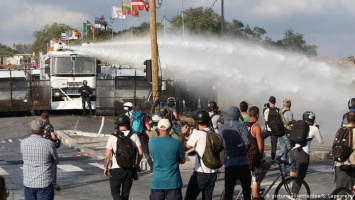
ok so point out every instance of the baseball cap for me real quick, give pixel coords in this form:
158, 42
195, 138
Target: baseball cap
163, 124
272, 99
37, 124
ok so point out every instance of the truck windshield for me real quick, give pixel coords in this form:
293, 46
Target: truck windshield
82, 66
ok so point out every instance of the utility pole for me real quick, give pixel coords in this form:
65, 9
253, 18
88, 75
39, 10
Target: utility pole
222, 13
154, 50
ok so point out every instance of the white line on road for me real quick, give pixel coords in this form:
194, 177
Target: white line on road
10, 140
3, 172
97, 165
70, 168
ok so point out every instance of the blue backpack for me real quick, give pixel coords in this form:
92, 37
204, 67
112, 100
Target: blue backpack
138, 122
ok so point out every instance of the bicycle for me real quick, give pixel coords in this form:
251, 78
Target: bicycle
342, 192
283, 189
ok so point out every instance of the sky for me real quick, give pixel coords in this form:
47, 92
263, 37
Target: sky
327, 24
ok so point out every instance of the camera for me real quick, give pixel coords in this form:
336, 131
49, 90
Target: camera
171, 103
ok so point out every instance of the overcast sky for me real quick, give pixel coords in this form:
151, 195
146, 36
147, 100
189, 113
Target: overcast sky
327, 24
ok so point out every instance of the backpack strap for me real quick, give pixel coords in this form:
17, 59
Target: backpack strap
251, 130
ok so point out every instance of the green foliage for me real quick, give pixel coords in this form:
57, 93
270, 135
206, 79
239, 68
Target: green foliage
6, 51
48, 32
23, 48
295, 42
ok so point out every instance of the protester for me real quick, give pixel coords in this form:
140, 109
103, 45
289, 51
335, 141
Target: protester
257, 164
140, 125
351, 106
215, 117
203, 178
236, 142
48, 133
287, 116
85, 93
128, 108
344, 170
38, 154
156, 117
167, 154
300, 153
273, 138
244, 117
120, 178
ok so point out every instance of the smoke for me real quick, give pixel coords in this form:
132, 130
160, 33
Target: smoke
237, 71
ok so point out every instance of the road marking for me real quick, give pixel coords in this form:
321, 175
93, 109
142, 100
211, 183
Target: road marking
10, 140
3, 172
97, 165
70, 168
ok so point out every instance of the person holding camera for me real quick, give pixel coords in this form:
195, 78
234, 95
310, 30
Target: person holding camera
167, 154
121, 178
48, 133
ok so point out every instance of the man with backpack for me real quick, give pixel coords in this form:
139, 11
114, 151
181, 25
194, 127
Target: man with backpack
122, 147
140, 124
287, 120
302, 134
344, 170
203, 178
167, 153
215, 117
236, 141
273, 135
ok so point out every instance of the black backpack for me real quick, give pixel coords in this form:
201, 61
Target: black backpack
299, 132
126, 151
274, 121
342, 144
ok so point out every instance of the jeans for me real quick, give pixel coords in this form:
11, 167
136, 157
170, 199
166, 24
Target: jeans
232, 173
54, 174
121, 178
46, 193
168, 194
201, 182
285, 145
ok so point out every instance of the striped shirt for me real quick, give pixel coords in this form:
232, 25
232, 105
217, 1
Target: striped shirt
38, 156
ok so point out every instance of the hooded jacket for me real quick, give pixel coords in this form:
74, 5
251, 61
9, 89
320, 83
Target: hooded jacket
235, 134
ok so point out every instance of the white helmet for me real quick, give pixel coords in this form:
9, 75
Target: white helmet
127, 105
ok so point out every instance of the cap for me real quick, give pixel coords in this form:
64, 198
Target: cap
163, 124
272, 99
37, 124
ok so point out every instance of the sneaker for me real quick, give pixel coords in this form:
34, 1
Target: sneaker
56, 187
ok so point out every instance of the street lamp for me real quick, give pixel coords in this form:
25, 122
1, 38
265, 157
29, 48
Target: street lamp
222, 13
112, 20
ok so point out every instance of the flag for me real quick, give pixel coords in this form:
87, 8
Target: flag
90, 27
85, 27
138, 5
126, 8
116, 12
135, 13
68, 33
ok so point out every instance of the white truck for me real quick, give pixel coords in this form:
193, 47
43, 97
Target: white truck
66, 70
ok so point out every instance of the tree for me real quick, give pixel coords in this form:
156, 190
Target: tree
198, 21
43, 36
6, 51
23, 48
294, 41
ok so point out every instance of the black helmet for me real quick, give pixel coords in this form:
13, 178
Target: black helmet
123, 120
212, 105
85, 82
309, 116
201, 117
351, 103
57, 143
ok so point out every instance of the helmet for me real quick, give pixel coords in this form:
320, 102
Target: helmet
351, 103
156, 117
309, 116
127, 105
123, 120
85, 82
212, 105
201, 117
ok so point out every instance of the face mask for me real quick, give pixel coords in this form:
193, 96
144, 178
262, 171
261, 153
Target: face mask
125, 108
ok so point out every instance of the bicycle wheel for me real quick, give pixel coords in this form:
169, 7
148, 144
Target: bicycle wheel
292, 188
341, 193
